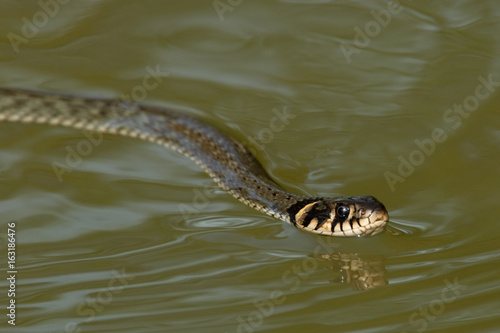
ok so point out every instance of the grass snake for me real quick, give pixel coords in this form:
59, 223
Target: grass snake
226, 160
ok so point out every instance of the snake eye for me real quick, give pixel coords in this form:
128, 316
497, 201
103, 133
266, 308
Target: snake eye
342, 211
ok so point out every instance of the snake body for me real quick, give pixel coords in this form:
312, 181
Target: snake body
226, 160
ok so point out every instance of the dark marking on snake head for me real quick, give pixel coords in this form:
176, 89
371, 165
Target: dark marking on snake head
307, 212
293, 210
322, 213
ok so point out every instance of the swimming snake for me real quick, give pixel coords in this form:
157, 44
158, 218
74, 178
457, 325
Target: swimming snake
226, 160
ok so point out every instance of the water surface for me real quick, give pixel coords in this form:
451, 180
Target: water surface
382, 100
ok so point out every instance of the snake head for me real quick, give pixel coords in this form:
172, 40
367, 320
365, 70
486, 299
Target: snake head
344, 217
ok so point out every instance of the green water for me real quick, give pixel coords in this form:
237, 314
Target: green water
400, 102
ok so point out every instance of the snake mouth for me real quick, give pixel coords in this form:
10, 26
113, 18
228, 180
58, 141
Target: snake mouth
372, 227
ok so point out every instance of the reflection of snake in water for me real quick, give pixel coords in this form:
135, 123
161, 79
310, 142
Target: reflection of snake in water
362, 271
222, 157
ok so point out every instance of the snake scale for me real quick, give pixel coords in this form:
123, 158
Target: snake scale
226, 160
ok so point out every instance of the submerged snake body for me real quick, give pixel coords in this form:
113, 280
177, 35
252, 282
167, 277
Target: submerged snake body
226, 160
